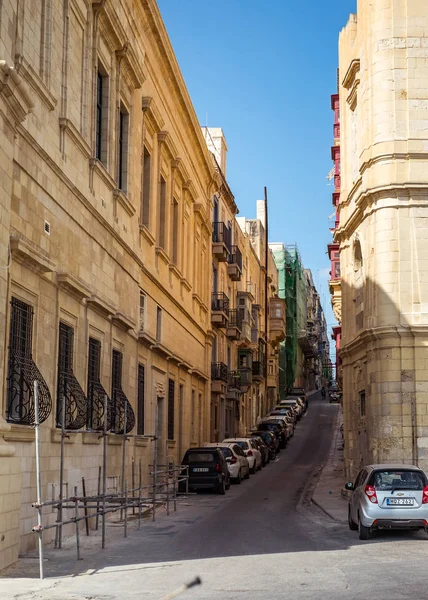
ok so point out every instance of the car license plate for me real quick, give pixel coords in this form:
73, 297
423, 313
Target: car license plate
399, 501
200, 469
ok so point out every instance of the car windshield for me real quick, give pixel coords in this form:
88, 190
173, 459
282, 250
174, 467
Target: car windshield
385, 481
195, 457
226, 452
243, 445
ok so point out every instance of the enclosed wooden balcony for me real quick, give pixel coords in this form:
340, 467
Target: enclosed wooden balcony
277, 321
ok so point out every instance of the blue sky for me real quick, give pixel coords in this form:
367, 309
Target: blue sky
264, 72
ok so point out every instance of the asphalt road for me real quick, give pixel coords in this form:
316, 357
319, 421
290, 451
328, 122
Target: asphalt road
262, 540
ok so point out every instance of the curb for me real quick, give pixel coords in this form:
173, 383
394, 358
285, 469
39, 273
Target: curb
341, 521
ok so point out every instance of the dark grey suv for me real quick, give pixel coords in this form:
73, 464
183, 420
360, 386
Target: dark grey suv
207, 470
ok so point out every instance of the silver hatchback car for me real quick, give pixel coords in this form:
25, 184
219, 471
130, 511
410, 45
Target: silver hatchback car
388, 497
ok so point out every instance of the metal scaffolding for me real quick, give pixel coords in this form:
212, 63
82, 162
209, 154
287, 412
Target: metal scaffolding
167, 480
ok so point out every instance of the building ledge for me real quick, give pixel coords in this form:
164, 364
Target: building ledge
123, 321
160, 252
19, 433
29, 255
146, 233
124, 201
73, 286
101, 305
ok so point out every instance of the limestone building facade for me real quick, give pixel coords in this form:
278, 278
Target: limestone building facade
383, 82
105, 233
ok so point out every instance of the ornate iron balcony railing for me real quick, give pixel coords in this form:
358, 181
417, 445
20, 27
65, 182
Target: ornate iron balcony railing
121, 407
20, 391
71, 395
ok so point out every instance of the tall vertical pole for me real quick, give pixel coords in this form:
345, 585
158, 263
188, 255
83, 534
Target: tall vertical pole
61, 473
38, 476
266, 291
103, 522
155, 458
123, 456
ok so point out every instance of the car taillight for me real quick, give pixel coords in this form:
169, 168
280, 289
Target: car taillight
233, 460
425, 495
371, 494
249, 453
218, 468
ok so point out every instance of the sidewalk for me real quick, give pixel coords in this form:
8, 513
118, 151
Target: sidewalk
328, 492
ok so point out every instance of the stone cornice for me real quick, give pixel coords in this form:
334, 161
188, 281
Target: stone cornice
391, 332
351, 73
175, 78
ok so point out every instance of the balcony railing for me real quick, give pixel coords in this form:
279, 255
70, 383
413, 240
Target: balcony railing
221, 234
234, 380
235, 257
219, 372
220, 302
235, 319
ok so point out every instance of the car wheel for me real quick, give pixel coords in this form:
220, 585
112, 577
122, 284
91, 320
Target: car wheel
228, 483
363, 531
239, 478
253, 470
352, 526
222, 488
247, 475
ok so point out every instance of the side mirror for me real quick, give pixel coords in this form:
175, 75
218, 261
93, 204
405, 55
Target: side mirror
349, 486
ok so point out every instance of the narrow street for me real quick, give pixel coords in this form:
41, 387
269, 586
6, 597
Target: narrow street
263, 539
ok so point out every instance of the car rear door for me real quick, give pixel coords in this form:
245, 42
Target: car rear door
202, 464
398, 489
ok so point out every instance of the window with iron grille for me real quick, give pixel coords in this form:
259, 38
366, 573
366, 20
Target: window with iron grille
123, 418
171, 407
140, 424
22, 370
69, 393
94, 364
116, 371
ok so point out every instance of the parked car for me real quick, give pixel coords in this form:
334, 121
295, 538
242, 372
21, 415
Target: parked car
269, 439
276, 429
388, 497
285, 421
296, 391
279, 423
301, 401
251, 450
237, 462
294, 405
334, 396
207, 469
287, 409
264, 450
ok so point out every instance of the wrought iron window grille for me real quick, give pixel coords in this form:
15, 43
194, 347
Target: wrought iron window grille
171, 408
141, 399
96, 392
69, 392
121, 408
22, 370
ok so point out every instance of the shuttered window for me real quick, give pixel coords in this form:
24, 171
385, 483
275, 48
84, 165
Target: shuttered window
140, 425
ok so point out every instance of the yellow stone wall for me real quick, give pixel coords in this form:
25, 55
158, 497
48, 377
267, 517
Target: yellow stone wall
101, 251
383, 58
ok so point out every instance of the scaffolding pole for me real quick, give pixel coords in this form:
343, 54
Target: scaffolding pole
38, 477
